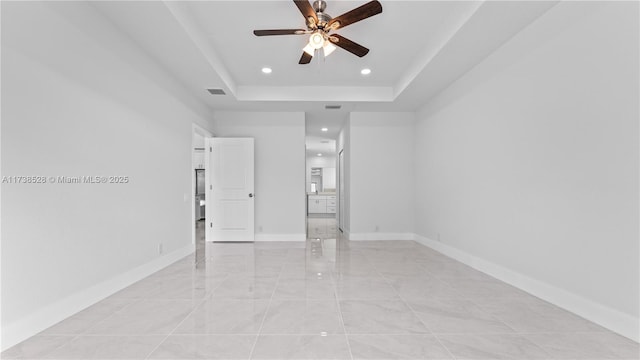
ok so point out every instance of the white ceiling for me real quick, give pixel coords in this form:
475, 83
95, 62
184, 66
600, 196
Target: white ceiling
417, 48
402, 31
320, 145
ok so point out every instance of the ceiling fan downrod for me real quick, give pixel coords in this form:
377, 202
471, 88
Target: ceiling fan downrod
323, 19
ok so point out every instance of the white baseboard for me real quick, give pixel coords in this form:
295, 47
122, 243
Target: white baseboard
381, 236
614, 320
280, 237
28, 326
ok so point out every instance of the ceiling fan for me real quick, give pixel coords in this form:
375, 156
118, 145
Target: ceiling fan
320, 25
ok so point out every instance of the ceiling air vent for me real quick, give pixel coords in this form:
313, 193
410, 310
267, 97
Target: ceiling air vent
333, 107
216, 91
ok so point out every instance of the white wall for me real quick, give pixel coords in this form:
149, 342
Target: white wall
381, 176
85, 101
279, 169
530, 161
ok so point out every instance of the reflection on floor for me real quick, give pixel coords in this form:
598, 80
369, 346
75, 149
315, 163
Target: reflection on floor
322, 228
200, 244
327, 299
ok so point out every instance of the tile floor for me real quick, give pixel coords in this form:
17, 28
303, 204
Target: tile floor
326, 299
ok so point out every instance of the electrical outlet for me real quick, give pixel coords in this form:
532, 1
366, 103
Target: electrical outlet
438, 237
160, 249
377, 228
260, 228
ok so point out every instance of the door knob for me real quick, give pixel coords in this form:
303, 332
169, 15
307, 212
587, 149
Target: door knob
250, 195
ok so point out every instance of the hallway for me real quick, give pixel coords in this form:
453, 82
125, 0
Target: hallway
326, 299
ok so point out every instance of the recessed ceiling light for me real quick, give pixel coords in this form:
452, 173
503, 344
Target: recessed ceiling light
365, 71
266, 70
324, 129
319, 154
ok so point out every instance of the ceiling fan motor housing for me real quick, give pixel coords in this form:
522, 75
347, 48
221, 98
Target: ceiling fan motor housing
323, 19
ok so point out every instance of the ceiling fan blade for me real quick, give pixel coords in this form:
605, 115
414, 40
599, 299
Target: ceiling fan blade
305, 58
349, 45
279, 32
307, 10
360, 13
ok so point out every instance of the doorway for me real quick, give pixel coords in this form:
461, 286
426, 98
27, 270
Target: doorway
321, 188
322, 130
198, 208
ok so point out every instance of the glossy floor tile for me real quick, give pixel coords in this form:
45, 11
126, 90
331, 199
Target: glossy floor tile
457, 316
107, 347
215, 316
328, 298
494, 346
205, 347
303, 317
36, 347
391, 316
281, 347
145, 317
397, 347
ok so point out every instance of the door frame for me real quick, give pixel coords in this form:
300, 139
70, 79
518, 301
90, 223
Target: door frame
200, 131
340, 187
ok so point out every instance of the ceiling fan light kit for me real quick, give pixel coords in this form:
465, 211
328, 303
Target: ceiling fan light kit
320, 24
328, 48
316, 40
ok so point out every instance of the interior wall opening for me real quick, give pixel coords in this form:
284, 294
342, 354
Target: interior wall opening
321, 180
198, 206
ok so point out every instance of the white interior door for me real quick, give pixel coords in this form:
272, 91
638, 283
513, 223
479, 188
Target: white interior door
230, 197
